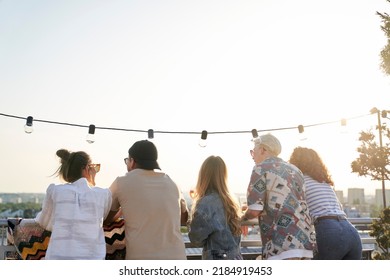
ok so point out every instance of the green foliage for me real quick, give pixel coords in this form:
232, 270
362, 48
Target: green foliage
385, 53
381, 232
372, 159
184, 229
374, 210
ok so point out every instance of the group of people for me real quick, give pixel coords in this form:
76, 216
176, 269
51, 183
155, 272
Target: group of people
298, 212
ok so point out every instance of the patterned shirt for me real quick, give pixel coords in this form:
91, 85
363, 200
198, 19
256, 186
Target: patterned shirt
277, 189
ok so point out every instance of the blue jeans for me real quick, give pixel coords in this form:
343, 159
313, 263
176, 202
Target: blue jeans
337, 240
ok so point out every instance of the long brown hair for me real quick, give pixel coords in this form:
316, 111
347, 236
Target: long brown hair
213, 175
311, 164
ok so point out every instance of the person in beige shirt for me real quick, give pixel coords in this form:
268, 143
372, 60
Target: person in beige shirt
151, 205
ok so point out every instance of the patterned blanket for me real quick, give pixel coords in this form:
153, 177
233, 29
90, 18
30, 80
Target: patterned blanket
31, 240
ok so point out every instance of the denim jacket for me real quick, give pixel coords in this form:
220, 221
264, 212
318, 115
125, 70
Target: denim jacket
210, 230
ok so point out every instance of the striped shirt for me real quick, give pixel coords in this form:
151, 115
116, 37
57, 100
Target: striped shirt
321, 199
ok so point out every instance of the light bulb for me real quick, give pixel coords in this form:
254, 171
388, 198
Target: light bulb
255, 135
150, 134
28, 127
302, 135
203, 139
343, 123
91, 134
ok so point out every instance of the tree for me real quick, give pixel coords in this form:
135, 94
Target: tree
385, 53
374, 210
381, 232
374, 159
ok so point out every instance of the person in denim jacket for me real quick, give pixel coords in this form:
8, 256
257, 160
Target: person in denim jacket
215, 224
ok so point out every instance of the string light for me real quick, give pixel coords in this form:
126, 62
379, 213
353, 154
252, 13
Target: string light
91, 134
301, 131
255, 135
151, 132
28, 127
203, 139
343, 123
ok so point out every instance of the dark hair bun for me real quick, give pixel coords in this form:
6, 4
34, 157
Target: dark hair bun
63, 154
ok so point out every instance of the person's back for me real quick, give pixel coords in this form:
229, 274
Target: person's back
285, 212
337, 238
276, 195
74, 212
78, 213
215, 224
150, 204
209, 229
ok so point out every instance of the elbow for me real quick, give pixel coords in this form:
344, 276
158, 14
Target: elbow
196, 240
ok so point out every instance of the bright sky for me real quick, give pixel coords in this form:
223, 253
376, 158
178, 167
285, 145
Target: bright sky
186, 66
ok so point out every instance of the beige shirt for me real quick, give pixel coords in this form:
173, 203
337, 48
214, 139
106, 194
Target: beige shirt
150, 203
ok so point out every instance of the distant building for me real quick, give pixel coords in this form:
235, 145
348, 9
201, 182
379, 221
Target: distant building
17, 199
11, 214
33, 199
379, 197
355, 196
340, 196
352, 212
10, 198
22, 197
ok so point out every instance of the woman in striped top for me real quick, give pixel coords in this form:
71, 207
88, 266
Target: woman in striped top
337, 238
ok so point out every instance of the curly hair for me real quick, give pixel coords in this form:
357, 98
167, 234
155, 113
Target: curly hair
311, 164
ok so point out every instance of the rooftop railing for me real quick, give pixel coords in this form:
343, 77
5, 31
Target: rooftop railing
251, 246
7, 251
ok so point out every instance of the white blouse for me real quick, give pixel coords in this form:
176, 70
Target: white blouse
74, 213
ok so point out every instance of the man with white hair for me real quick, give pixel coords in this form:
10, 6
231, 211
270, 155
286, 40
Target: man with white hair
276, 195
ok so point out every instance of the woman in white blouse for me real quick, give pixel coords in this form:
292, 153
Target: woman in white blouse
74, 212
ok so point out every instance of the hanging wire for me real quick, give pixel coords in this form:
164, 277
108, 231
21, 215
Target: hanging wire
179, 132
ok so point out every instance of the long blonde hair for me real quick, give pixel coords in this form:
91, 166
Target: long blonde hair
213, 175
